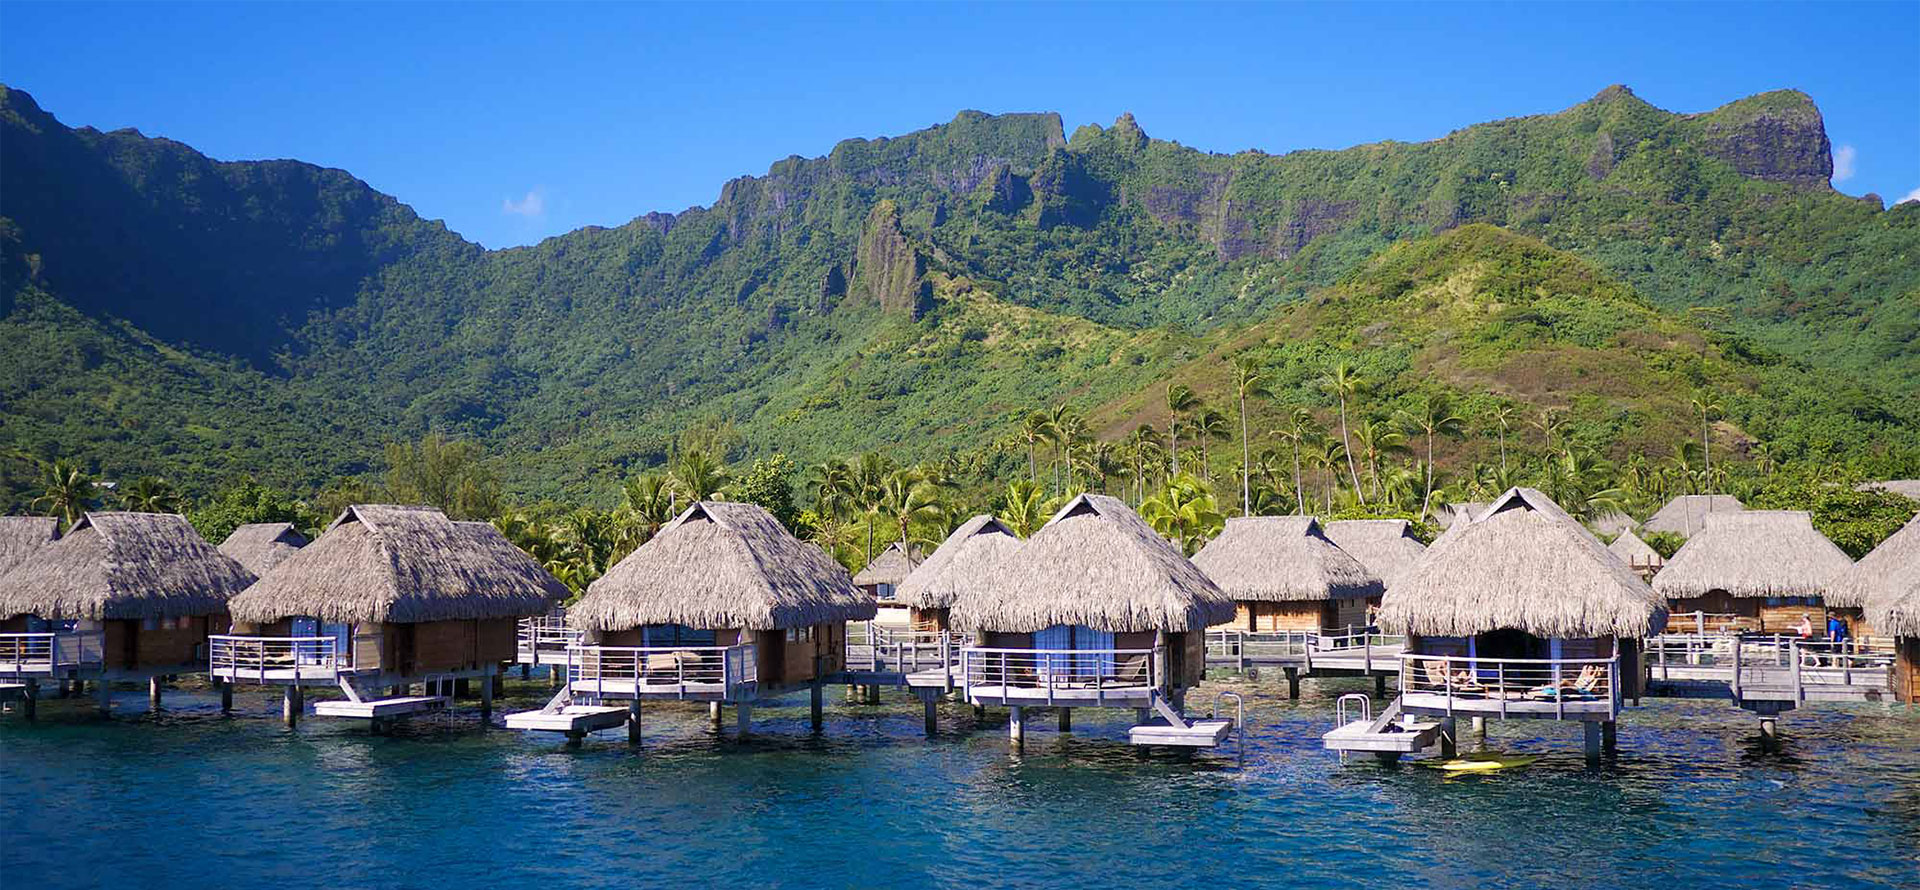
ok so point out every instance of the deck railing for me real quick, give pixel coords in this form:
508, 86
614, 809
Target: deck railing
1708, 623
882, 649
1503, 685
1051, 673
276, 661
46, 654
728, 671
546, 633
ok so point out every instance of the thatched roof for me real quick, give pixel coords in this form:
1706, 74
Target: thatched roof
1687, 514
1754, 553
960, 566
1904, 487
20, 536
1446, 517
381, 563
1386, 547
262, 545
1884, 578
1283, 559
892, 566
1612, 524
113, 566
1635, 552
1523, 563
722, 565
1097, 564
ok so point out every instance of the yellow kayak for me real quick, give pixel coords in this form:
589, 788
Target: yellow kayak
1485, 763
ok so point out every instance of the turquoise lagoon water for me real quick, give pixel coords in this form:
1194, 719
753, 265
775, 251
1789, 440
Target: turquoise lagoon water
188, 798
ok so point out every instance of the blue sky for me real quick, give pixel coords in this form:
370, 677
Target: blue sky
515, 122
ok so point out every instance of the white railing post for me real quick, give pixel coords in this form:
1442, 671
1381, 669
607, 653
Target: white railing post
1793, 653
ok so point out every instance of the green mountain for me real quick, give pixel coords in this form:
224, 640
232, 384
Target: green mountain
168, 313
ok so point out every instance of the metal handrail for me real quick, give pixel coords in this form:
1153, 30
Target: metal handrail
43, 653
677, 670
276, 660
1500, 680
1051, 671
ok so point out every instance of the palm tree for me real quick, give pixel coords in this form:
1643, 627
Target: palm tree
1035, 428
1376, 441
1298, 431
68, 491
1143, 447
1180, 400
909, 498
697, 475
151, 494
1025, 513
833, 486
1550, 419
1434, 417
1070, 433
1247, 381
1184, 511
869, 490
1328, 458
1206, 425
1766, 457
1345, 383
1503, 416
1704, 402
649, 505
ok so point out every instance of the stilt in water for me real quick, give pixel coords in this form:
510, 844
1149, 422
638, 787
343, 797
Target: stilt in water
526, 671
1610, 737
290, 706
1478, 727
1293, 683
103, 696
1380, 685
575, 737
1449, 738
486, 697
226, 696
1016, 730
931, 720
713, 714
30, 706
154, 685
1592, 729
1066, 719
743, 719
633, 721
817, 695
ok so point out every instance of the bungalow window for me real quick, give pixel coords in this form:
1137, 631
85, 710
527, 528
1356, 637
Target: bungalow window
675, 635
800, 634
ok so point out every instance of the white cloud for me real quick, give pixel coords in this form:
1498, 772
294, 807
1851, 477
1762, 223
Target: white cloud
1911, 196
531, 206
1843, 163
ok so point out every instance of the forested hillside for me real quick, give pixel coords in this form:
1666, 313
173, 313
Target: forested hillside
169, 314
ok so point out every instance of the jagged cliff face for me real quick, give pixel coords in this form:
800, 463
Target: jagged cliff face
890, 271
1779, 137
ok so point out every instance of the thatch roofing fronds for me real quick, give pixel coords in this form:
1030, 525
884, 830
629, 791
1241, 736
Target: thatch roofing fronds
1097, 564
381, 563
1446, 517
113, 566
722, 565
1522, 564
960, 567
20, 536
892, 566
1613, 524
1386, 547
1283, 559
1687, 514
1635, 552
1883, 579
1754, 553
262, 545
1909, 488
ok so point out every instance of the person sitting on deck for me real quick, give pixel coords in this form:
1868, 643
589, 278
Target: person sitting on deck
1586, 686
1459, 682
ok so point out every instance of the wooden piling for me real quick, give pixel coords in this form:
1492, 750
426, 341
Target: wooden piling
743, 719
1449, 738
1015, 730
633, 720
486, 696
1610, 737
816, 696
713, 714
1293, 683
153, 692
931, 719
1592, 729
290, 705
226, 696
103, 696
1066, 719
30, 707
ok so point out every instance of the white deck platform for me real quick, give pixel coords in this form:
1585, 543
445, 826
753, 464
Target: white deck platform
1063, 696
571, 719
1206, 733
1409, 737
381, 707
663, 691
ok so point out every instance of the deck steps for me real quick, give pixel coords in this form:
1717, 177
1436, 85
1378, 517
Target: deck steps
381, 707
1171, 728
1390, 733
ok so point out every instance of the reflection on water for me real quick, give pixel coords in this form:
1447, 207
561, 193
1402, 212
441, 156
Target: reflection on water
188, 797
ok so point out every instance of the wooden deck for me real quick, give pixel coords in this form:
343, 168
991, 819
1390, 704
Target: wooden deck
627, 689
380, 707
1395, 738
1441, 704
571, 719
1207, 733
1063, 696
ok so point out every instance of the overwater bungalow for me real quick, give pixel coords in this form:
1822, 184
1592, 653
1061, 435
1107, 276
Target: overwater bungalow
1753, 570
1386, 547
958, 567
723, 605
1891, 569
1283, 574
262, 545
1095, 610
1638, 554
1890, 578
1687, 514
1522, 614
882, 577
385, 598
120, 597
